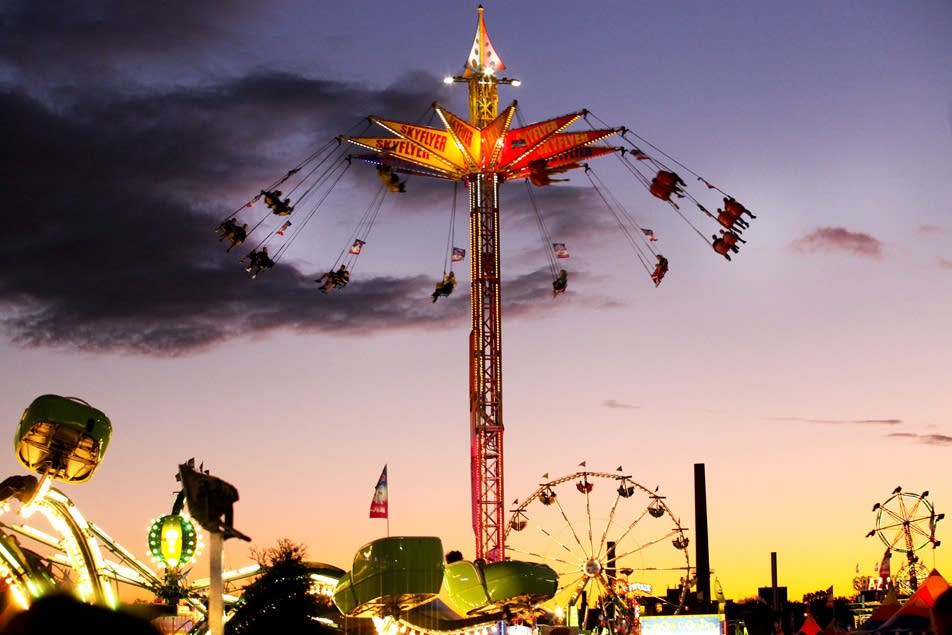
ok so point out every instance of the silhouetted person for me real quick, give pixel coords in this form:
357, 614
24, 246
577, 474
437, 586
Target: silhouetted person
445, 287
274, 202
721, 247
660, 269
560, 283
942, 613
735, 209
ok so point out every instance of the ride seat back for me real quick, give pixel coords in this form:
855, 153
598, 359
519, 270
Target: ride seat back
464, 587
397, 571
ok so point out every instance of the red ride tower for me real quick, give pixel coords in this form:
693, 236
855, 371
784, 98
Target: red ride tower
484, 152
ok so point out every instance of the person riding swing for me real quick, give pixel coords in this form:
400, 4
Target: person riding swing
229, 229
660, 269
445, 287
391, 179
260, 260
560, 283
720, 246
334, 279
735, 209
274, 202
666, 183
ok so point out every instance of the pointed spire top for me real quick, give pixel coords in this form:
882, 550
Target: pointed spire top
483, 59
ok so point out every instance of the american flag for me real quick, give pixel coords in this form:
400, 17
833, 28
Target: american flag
379, 507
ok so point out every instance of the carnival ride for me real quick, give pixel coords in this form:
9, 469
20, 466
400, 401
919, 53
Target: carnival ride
614, 543
481, 153
392, 576
64, 439
906, 524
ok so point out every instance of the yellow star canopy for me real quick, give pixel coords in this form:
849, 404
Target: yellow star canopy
461, 149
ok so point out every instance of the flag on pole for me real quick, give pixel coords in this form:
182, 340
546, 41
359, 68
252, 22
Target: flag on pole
582, 464
355, 248
458, 254
649, 234
284, 227
378, 506
560, 250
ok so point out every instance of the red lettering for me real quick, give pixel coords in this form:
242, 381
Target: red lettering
430, 138
464, 133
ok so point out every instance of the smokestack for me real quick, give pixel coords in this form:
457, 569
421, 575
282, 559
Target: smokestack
773, 581
702, 552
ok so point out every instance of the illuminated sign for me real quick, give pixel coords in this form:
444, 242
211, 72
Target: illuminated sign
682, 625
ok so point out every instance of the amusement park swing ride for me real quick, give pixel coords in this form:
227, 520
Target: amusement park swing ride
482, 152
591, 554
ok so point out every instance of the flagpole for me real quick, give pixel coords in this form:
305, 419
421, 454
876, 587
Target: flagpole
387, 467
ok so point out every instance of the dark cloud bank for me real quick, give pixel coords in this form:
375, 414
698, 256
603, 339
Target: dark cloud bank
112, 192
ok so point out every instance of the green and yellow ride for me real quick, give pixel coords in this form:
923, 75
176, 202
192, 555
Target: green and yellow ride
63, 438
395, 574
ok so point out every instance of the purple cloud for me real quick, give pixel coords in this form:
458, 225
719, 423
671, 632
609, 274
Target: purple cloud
611, 403
925, 439
875, 422
839, 239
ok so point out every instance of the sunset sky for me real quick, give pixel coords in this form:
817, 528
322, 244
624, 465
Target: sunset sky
810, 375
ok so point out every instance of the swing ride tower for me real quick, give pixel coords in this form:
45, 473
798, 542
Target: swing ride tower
485, 338
483, 152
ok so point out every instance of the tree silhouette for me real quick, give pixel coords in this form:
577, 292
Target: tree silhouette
281, 600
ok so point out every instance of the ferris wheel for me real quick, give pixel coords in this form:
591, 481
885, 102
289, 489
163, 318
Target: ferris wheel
615, 544
906, 523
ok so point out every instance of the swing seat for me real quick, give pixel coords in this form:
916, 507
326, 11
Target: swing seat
668, 179
661, 191
735, 209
